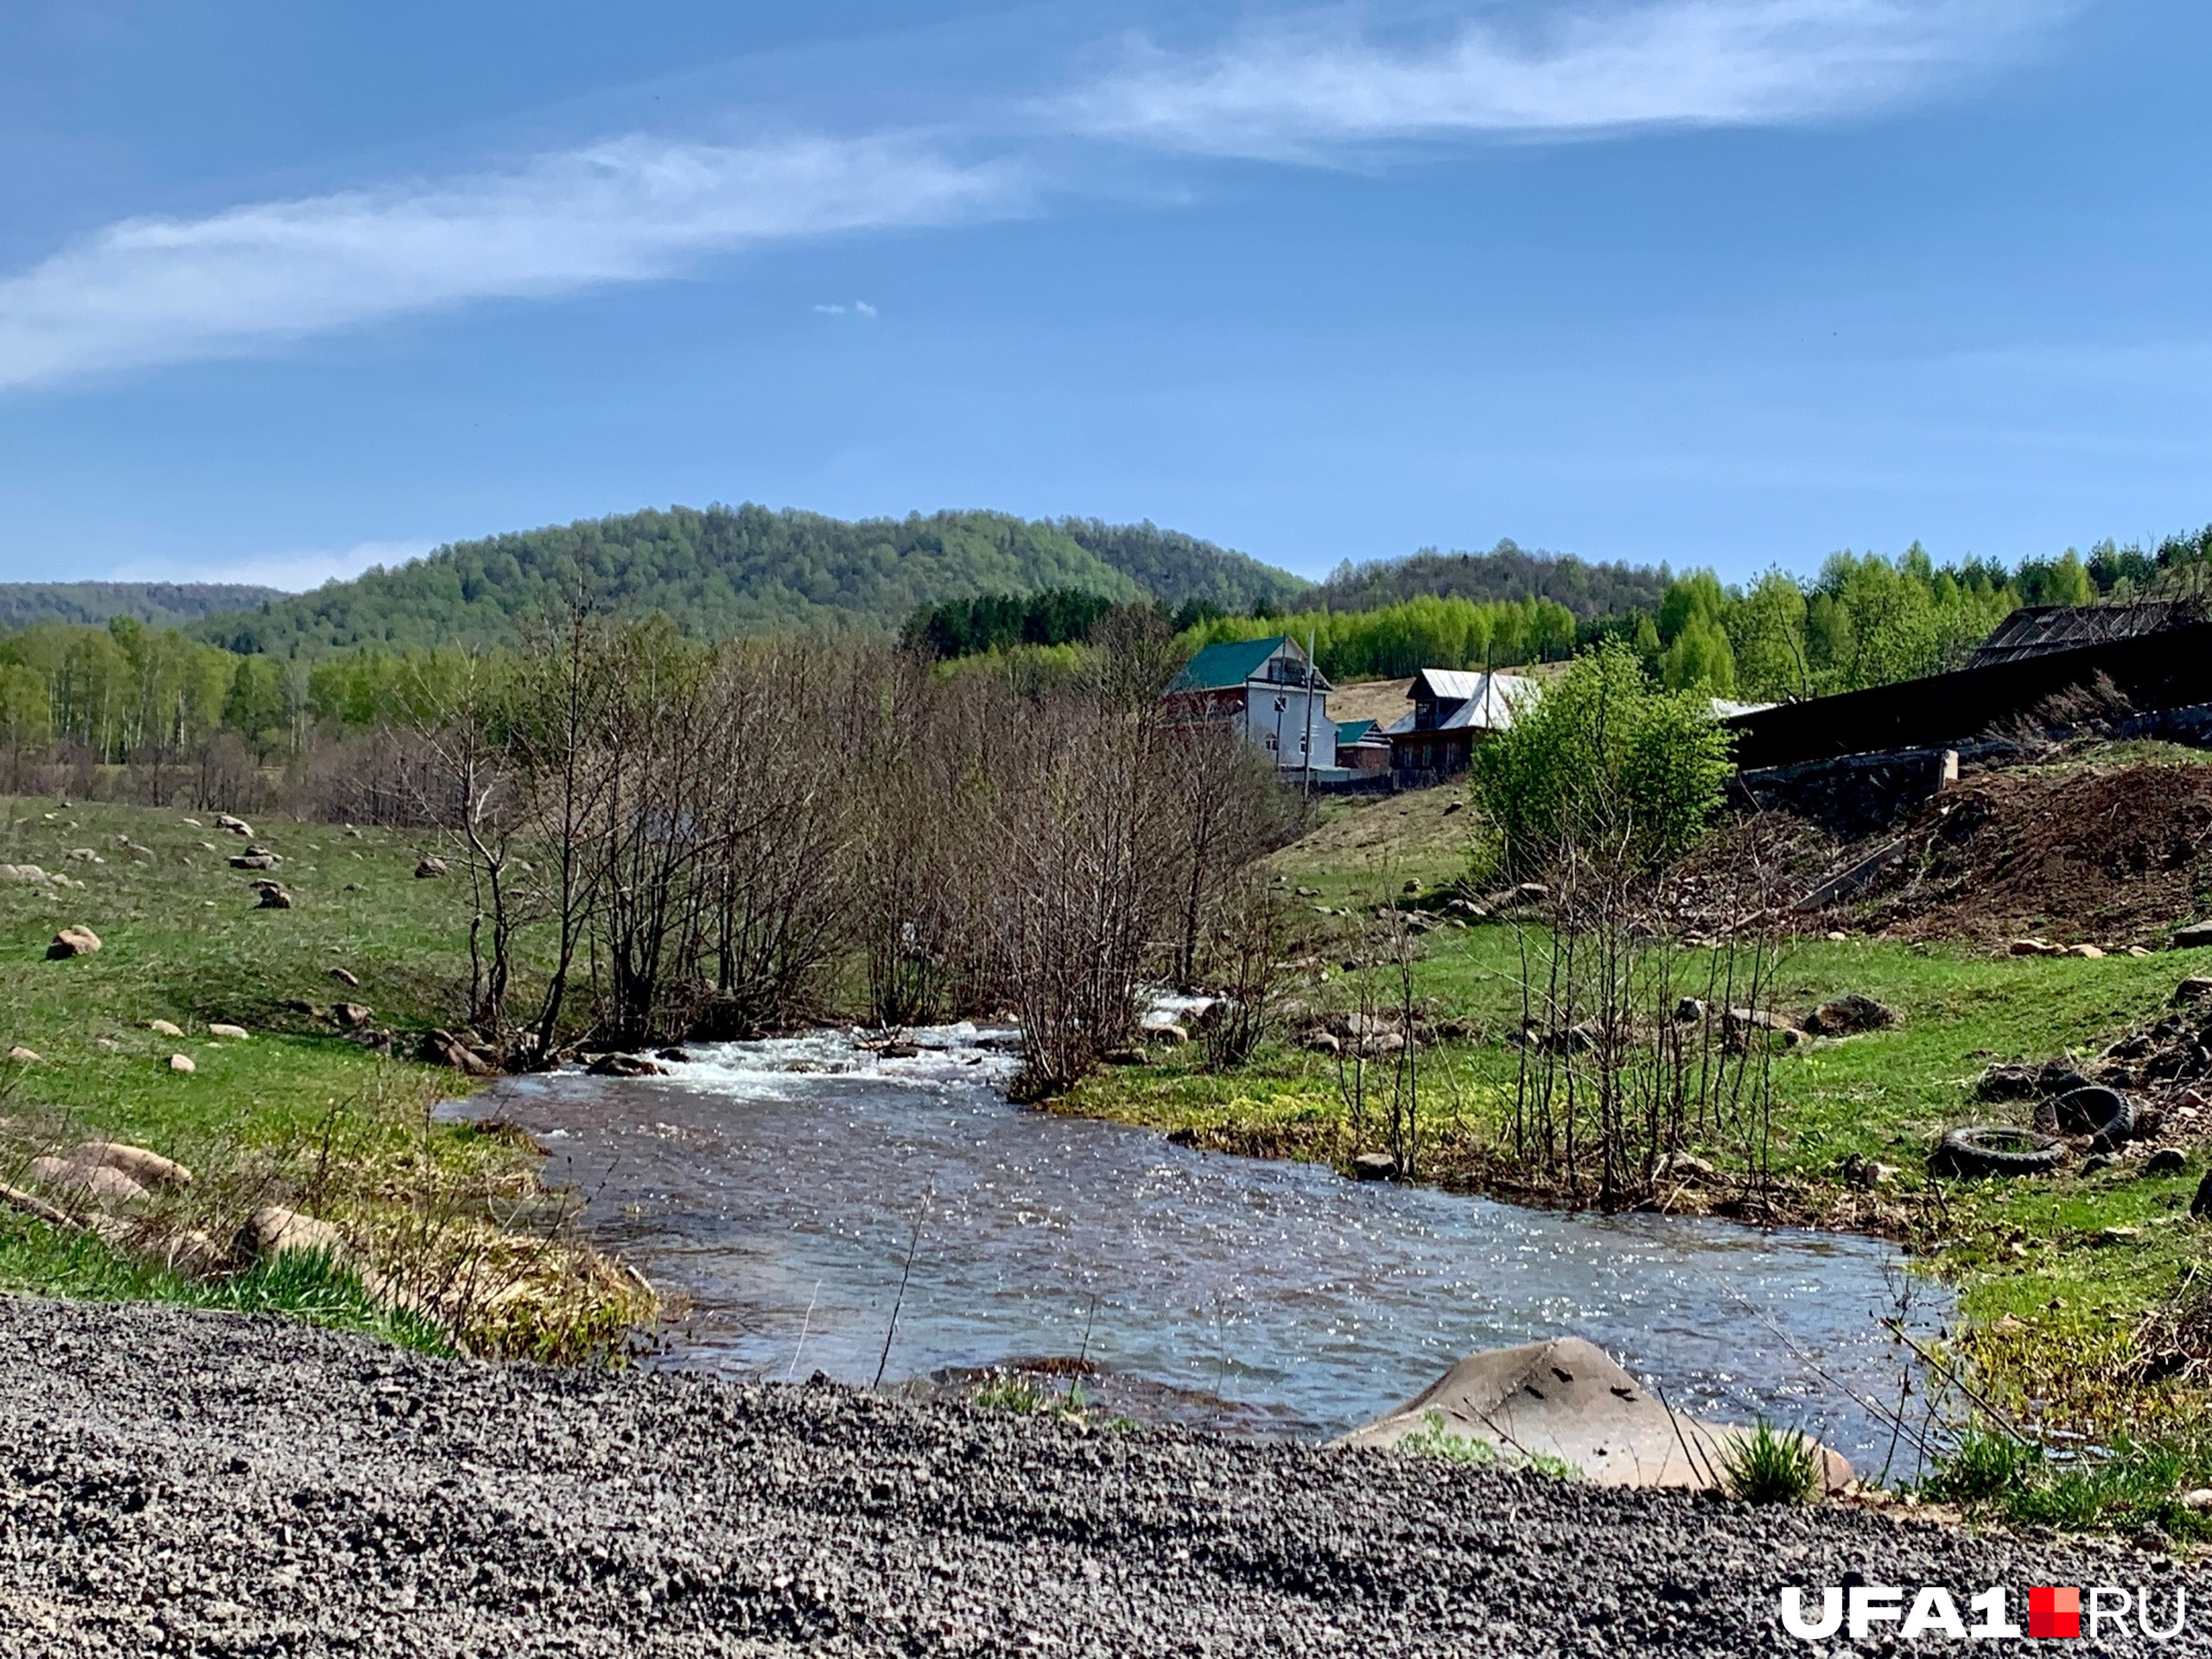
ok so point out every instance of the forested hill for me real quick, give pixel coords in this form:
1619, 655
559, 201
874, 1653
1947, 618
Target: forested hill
160, 604
1506, 573
729, 571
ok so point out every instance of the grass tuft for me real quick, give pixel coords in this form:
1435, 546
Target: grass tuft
1771, 1466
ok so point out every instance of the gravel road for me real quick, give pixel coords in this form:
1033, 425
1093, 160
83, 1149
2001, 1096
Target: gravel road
180, 1482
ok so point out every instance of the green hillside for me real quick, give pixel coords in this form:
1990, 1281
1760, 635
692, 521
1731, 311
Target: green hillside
90, 604
729, 571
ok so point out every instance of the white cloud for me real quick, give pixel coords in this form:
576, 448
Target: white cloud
1299, 90
858, 308
294, 571
151, 291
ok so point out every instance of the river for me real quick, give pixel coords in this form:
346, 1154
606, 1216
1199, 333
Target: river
773, 1190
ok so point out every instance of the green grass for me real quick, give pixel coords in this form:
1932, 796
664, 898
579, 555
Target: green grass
1771, 1466
2047, 1306
304, 1285
293, 1114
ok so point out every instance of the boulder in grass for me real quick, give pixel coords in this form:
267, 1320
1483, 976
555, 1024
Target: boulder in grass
2194, 937
182, 1063
73, 941
345, 978
22, 1056
274, 898
354, 1016
429, 866
236, 826
1126, 1057
98, 1184
1849, 1014
231, 1033
147, 1168
165, 1028
273, 1231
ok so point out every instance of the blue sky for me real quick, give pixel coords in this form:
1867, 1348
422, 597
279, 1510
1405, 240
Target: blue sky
285, 290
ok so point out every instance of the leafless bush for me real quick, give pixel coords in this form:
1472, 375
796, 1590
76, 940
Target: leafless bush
1634, 1047
1245, 966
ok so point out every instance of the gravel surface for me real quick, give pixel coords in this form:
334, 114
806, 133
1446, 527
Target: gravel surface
207, 1483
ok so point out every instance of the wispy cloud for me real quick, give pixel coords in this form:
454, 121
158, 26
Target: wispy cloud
151, 291
858, 308
1304, 88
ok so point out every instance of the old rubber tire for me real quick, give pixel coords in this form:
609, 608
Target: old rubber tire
1994, 1149
2105, 1115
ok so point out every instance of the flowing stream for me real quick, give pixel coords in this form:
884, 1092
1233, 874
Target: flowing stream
775, 1188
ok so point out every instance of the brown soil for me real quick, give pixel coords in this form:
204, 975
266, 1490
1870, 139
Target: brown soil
2105, 855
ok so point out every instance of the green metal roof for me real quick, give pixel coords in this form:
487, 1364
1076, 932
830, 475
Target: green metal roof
1351, 731
1218, 668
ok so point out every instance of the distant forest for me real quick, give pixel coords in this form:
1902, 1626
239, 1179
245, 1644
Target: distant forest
1505, 573
162, 604
727, 572
256, 688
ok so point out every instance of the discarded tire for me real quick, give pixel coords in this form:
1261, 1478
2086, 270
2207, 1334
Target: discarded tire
2105, 1115
1995, 1149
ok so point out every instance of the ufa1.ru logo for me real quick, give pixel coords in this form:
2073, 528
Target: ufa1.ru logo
2053, 1611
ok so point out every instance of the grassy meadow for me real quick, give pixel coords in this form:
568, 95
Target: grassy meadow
295, 1114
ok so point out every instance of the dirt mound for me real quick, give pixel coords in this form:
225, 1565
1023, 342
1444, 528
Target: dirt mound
2105, 855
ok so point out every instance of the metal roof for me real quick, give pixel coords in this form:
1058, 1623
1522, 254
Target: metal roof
1230, 664
1353, 731
2036, 630
1487, 704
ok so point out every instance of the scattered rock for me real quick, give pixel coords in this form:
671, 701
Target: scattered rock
2195, 937
1689, 1011
73, 941
274, 898
1172, 1036
431, 865
85, 855
898, 1051
2119, 1235
1322, 1042
165, 1028
1863, 1172
1306, 893
2166, 1160
624, 1066
2090, 952
444, 1046
236, 826
1849, 1014
1374, 1167
1686, 1169
2096, 1163
22, 1056
1836, 936
234, 1033
2201, 1206
2199, 1500
106, 1186
1450, 807
2033, 948
147, 1168
353, 1016
252, 861
1126, 1057
677, 1056
182, 1063
273, 1229
344, 978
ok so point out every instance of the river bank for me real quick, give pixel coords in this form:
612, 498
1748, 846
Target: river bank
181, 1482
